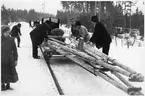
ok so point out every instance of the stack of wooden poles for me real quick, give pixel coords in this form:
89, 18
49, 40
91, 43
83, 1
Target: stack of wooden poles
93, 61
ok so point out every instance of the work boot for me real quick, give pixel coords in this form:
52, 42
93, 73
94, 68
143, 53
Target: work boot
36, 57
3, 87
8, 87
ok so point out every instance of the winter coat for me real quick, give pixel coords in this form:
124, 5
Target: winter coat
8, 57
100, 36
15, 32
84, 33
40, 32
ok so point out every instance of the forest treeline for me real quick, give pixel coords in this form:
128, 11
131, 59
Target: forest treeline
111, 14
13, 15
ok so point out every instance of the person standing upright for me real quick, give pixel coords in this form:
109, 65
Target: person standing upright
100, 37
16, 33
9, 58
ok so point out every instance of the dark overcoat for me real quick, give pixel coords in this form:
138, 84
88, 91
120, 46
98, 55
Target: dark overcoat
100, 35
8, 57
39, 33
15, 31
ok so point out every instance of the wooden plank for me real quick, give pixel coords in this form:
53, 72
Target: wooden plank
76, 56
85, 65
88, 58
131, 89
134, 76
57, 41
122, 79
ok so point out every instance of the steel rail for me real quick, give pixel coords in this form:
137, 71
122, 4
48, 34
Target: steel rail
52, 74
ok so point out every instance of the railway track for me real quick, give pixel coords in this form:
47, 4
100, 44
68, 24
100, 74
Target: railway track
60, 91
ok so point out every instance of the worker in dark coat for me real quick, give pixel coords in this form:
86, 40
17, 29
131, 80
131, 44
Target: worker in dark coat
16, 33
100, 37
38, 35
9, 57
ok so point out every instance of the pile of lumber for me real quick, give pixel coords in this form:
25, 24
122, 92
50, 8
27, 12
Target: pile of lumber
94, 61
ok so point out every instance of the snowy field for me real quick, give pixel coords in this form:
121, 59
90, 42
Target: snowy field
35, 78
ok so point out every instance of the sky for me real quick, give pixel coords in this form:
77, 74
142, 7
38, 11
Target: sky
51, 6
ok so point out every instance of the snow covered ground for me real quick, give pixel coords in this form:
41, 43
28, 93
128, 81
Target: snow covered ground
35, 78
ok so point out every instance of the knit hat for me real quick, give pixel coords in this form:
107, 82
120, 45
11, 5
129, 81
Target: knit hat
4, 28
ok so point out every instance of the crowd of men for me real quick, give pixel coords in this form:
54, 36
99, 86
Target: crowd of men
100, 37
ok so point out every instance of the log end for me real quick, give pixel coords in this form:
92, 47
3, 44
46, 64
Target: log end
134, 91
137, 77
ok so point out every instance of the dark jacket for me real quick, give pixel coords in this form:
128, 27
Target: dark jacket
8, 57
100, 36
40, 32
15, 31
75, 32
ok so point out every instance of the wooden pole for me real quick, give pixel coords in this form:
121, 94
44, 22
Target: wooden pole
133, 74
122, 79
74, 55
90, 58
82, 63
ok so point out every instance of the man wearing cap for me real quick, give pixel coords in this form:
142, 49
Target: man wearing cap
100, 37
16, 33
9, 57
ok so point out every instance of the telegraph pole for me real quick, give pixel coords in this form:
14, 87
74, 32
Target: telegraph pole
99, 10
43, 7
